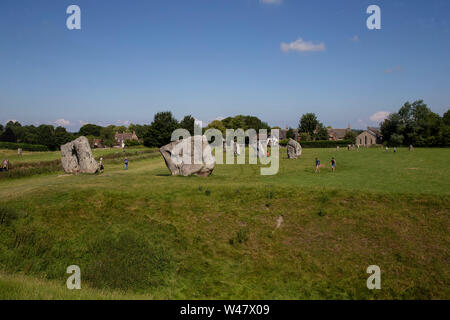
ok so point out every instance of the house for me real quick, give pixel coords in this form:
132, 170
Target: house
337, 134
369, 137
121, 138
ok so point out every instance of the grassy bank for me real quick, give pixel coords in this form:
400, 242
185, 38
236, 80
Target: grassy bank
24, 167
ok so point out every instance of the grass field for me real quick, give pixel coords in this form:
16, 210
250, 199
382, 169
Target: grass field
28, 156
142, 233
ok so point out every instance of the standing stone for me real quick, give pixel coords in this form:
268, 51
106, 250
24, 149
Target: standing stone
294, 149
189, 156
76, 157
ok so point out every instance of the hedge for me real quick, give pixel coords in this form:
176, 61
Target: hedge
23, 146
325, 143
320, 143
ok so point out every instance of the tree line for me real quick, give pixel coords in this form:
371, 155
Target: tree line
415, 124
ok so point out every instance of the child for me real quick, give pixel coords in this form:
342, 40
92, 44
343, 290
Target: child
126, 163
333, 164
317, 166
101, 165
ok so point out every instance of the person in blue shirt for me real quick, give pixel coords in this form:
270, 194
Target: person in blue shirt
317, 166
333, 164
126, 163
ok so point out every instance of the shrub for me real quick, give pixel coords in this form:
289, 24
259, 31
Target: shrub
131, 143
325, 143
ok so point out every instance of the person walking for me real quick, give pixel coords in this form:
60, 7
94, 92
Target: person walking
317, 166
333, 164
5, 165
102, 168
126, 163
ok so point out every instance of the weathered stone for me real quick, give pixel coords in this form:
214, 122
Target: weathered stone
76, 157
190, 156
294, 149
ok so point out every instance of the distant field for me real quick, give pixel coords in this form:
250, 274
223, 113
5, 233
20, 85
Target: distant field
142, 233
28, 156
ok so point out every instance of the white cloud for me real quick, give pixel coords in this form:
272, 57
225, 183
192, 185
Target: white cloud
379, 116
62, 122
123, 122
302, 46
275, 2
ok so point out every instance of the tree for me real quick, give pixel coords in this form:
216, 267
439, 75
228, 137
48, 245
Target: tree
46, 136
414, 124
62, 136
107, 135
188, 123
16, 127
160, 131
446, 118
8, 135
120, 129
245, 123
1, 129
350, 135
290, 134
310, 128
217, 124
308, 124
140, 130
321, 133
396, 140
90, 130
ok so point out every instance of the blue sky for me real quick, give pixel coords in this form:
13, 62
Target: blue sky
218, 58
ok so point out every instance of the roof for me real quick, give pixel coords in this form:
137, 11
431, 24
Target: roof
339, 133
374, 131
125, 136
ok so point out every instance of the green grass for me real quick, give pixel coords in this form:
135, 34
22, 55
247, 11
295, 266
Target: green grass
142, 233
28, 156
24, 166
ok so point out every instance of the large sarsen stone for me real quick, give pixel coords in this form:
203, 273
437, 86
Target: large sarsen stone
189, 156
294, 149
76, 157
